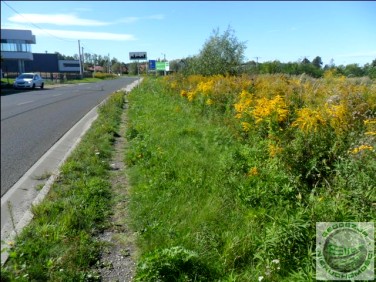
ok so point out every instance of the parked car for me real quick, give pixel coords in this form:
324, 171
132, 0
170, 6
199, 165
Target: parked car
28, 80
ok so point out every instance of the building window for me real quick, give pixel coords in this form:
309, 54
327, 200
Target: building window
71, 65
12, 45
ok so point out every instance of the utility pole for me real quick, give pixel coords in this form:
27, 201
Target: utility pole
79, 56
83, 60
109, 63
164, 60
257, 62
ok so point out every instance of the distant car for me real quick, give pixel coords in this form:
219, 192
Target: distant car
28, 80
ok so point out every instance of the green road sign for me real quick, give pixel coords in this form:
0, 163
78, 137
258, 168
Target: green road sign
163, 66
160, 66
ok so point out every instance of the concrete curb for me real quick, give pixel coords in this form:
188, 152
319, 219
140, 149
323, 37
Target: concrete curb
16, 204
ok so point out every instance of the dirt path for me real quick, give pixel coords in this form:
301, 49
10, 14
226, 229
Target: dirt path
117, 261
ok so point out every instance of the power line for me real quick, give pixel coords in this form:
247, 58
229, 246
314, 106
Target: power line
36, 25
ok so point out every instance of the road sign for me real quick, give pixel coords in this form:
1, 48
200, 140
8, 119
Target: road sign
152, 64
137, 56
163, 66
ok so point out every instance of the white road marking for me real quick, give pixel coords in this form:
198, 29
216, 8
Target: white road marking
27, 102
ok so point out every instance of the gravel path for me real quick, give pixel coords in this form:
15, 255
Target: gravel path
117, 262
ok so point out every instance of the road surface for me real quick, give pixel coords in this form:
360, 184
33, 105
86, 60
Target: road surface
34, 120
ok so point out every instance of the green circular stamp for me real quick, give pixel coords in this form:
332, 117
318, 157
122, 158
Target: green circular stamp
345, 251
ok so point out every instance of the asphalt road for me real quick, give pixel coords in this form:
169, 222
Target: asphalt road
33, 120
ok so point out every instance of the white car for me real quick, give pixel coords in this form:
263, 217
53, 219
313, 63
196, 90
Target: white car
28, 80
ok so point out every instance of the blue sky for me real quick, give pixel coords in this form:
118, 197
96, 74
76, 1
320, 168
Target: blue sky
344, 31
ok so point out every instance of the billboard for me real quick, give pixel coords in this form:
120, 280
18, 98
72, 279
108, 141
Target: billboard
137, 56
163, 66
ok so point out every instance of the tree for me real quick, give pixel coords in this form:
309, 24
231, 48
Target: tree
271, 67
116, 67
317, 62
59, 56
353, 70
221, 54
291, 68
305, 61
190, 65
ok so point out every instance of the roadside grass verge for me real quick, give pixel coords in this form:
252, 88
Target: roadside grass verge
209, 201
59, 243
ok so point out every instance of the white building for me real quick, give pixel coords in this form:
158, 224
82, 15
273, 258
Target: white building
16, 45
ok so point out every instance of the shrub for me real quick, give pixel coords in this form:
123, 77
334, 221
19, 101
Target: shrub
102, 75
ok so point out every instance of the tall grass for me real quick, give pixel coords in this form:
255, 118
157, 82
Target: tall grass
219, 196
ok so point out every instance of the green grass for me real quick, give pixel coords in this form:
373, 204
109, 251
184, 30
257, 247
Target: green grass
206, 203
59, 244
199, 212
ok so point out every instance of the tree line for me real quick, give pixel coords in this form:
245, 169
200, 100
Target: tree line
224, 54
105, 63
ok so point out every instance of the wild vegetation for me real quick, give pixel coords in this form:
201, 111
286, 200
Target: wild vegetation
231, 174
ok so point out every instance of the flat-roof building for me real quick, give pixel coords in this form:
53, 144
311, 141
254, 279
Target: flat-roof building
16, 45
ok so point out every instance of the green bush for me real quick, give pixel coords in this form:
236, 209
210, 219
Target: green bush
102, 75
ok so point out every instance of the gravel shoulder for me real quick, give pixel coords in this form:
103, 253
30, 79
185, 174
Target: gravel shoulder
117, 261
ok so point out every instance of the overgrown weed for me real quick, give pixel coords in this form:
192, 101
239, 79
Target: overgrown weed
239, 169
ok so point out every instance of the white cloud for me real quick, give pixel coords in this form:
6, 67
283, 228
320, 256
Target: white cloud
55, 19
135, 19
71, 34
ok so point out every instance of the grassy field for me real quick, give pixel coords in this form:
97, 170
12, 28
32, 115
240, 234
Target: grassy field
228, 176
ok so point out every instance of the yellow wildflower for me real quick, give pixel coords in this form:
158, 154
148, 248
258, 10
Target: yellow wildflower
209, 102
371, 127
360, 149
173, 85
262, 109
253, 171
308, 120
370, 121
191, 95
246, 126
338, 117
280, 108
265, 108
274, 150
